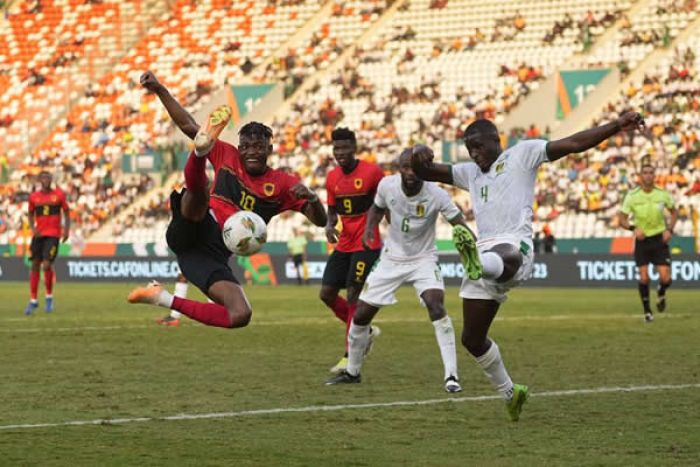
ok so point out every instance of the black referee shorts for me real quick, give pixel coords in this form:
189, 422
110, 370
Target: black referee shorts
348, 269
200, 250
652, 250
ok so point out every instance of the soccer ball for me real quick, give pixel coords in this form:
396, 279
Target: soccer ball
244, 233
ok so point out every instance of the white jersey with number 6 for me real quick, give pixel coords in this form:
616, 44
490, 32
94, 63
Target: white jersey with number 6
413, 218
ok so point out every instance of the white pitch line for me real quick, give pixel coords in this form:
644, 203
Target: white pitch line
323, 321
335, 408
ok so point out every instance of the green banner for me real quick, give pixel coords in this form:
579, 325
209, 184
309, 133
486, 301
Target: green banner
573, 87
248, 96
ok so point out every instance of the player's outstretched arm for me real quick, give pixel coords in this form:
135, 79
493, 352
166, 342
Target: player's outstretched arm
423, 165
182, 118
587, 139
374, 216
313, 210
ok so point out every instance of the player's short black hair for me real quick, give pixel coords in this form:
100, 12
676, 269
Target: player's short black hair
343, 133
480, 126
255, 129
407, 152
45, 172
646, 163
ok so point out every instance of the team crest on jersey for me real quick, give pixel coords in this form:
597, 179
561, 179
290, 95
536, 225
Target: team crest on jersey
358, 183
499, 167
420, 210
268, 189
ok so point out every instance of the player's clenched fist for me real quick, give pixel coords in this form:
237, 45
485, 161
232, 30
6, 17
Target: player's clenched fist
149, 81
301, 191
421, 156
630, 121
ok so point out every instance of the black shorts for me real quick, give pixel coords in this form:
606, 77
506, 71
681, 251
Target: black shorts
652, 250
348, 269
298, 260
200, 250
44, 248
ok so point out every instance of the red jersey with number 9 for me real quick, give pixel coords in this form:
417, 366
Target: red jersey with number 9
46, 208
352, 194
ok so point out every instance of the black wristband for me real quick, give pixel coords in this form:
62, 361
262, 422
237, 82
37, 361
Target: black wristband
632, 228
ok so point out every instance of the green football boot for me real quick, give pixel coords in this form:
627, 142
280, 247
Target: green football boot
515, 404
465, 242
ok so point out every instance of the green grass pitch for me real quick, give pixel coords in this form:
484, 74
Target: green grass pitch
98, 358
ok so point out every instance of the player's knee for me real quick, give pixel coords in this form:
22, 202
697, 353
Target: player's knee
512, 260
644, 280
46, 265
473, 343
327, 296
436, 311
240, 316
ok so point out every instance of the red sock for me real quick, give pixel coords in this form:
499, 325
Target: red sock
211, 314
48, 281
340, 308
351, 313
195, 175
33, 284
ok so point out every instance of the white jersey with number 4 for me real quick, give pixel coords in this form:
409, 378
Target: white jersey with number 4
413, 218
502, 197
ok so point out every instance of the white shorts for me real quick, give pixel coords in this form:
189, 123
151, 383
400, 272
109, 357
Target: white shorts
489, 289
388, 275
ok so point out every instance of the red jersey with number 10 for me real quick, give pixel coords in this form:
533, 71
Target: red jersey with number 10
235, 190
352, 195
46, 208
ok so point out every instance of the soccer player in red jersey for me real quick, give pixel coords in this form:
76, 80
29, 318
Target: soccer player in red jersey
45, 206
351, 188
243, 181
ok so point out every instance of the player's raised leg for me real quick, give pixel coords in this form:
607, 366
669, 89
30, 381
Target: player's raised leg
195, 201
434, 300
231, 308
478, 316
173, 318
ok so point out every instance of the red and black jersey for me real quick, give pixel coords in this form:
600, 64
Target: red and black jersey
46, 208
235, 190
352, 194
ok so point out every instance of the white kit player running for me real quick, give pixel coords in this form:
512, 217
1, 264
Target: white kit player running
410, 256
502, 188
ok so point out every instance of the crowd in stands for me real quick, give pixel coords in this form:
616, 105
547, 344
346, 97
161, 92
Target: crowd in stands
596, 181
114, 117
592, 24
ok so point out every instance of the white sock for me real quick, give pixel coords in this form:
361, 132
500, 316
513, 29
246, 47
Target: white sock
202, 143
180, 291
358, 338
492, 265
445, 334
492, 364
165, 299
